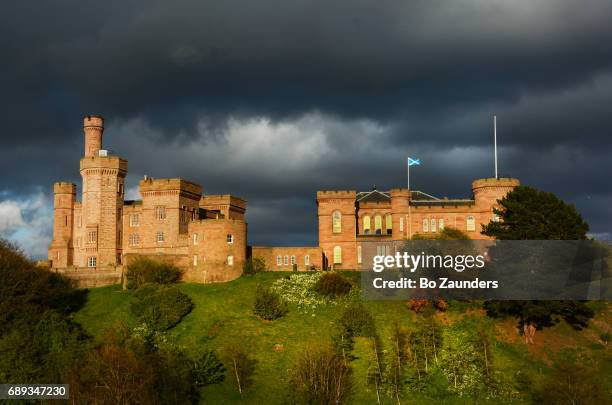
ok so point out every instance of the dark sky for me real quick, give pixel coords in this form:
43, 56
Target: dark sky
274, 100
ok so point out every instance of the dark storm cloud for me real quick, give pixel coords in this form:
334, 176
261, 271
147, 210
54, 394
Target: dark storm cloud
347, 89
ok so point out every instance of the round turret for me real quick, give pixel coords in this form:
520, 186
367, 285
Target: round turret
93, 126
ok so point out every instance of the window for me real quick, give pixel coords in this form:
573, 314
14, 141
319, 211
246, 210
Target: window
230, 238
195, 260
337, 255
78, 241
286, 261
230, 260
378, 224
366, 225
471, 223
382, 250
120, 188
79, 221
134, 239
91, 261
134, 220
359, 259
336, 222
160, 236
58, 255
425, 225
195, 239
160, 212
92, 236
401, 224
433, 225
193, 214
306, 260
389, 224
279, 260
292, 260
441, 224
184, 217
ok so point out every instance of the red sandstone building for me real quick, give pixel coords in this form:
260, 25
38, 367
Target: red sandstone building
206, 235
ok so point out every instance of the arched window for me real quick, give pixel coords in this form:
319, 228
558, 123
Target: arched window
306, 260
378, 224
279, 260
389, 224
336, 222
425, 225
441, 224
286, 261
292, 260
471, 223
337, 255
366, 225
433, 224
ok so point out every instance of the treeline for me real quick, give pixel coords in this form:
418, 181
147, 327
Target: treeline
39, 342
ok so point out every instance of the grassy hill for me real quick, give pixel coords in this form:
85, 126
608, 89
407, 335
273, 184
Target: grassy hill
223, 314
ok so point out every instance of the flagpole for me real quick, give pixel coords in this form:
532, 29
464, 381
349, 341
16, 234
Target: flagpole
495, 143
409, 198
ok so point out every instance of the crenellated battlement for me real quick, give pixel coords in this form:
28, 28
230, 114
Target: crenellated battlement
170, 184
493, 182
64, 187
326, 194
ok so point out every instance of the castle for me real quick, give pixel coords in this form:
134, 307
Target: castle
206, 235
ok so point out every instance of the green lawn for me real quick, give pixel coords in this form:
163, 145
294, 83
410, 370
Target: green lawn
223, 314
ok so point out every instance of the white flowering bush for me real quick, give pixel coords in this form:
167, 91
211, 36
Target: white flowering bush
299, 289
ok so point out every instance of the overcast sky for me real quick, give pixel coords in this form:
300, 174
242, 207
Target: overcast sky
274, 100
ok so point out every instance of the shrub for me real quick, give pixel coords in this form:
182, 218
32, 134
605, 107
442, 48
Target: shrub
253, 265
321, 376
357, 320
208, 370
333, 284
160, 307
417, 305
144, 271
268, 304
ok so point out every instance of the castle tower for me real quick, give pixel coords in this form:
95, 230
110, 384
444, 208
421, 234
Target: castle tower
103, 193
400, 201
338, 227
488, 191
61, 251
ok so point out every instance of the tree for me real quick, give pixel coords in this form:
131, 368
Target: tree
397, 361
241, 366
376, 366
321, 376
530, 214
160, 307
253, 266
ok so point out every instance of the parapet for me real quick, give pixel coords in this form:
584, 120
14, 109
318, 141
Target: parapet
223, 199
328, 194
93, 120
104, 162
399, 192
493, 182
175, 184
64, 187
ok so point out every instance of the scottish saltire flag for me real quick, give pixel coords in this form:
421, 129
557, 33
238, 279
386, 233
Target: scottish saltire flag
414, 162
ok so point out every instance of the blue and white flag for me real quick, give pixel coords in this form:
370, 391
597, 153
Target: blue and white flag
413, 162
